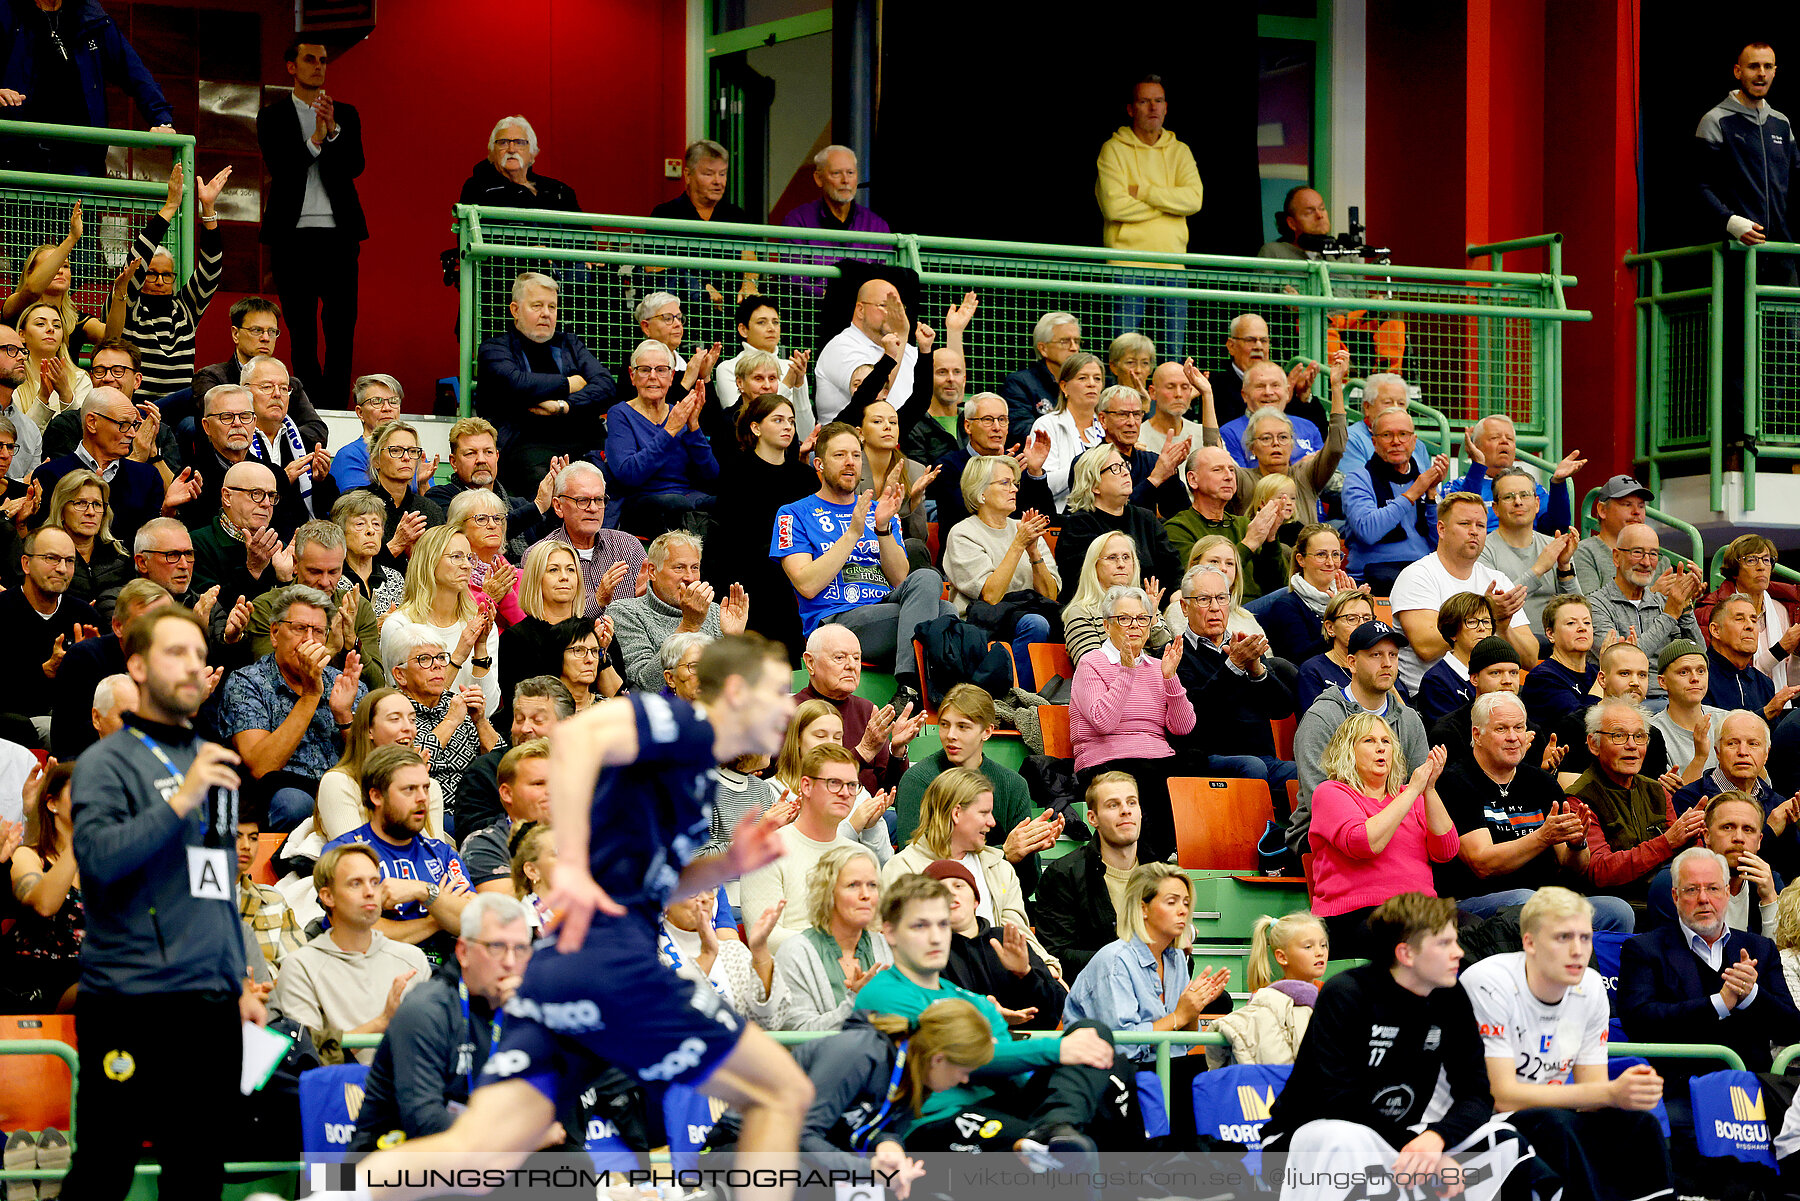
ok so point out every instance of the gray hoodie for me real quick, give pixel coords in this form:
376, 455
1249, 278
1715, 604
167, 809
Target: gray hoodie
1316, 727
324, 987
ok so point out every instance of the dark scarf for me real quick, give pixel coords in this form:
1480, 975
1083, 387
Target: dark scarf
1387, 483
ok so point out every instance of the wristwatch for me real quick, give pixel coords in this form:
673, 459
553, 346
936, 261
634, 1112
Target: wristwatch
431, 893
483, 663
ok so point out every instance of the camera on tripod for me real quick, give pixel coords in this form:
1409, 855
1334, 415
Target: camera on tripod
1351, 244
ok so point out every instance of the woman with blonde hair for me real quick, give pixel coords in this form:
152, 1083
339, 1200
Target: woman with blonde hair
80, 506
48, 278
1110, 561
384, 717
1787, 934
438, 604
841, 948
52, 380
1226, 557
1375, 831
955, 816
533, 859
872, 1080
551, 591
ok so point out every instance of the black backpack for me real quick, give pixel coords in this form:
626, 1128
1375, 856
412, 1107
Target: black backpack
957, 652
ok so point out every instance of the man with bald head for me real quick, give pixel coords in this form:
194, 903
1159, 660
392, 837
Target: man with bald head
1637, 601
1266, 386
1212, 479
240, 551
1171, 396
878, 310
117, 443
984, 419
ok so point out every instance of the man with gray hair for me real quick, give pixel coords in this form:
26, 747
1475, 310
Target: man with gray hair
1700, 980
302, 472
114, 697
1631, 825
677, 601
1247, 343
505, 177
1493, 444
287, 713
111, 448
1381, 391
540, 386
1390, 503
705, 170
612, 562
984, 418
836, 173
86, 663
1226, 677
319, 554
1155, 478
1030, 392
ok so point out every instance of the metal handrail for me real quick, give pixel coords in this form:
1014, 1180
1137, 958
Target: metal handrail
1726, 1055
182, 144
1590, 523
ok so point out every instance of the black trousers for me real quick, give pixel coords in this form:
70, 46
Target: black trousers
158, 1067
1156, 836
1101, 1104
315, 276
1589, 1151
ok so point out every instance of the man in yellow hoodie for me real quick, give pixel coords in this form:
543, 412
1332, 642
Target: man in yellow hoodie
1148, 186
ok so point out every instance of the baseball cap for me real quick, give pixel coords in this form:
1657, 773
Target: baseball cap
1621, 486
1666, 657
1370, 632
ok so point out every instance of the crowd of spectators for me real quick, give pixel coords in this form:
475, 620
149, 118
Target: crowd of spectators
1488, 712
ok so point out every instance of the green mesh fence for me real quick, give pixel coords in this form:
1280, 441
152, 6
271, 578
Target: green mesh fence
1680, 364
1468, 363
33, 217
1778, 356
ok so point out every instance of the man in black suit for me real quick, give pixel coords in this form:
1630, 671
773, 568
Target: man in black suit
1700, 980
313, 224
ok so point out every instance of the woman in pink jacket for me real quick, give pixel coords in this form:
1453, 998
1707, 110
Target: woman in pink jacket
1124, 704
1371, 838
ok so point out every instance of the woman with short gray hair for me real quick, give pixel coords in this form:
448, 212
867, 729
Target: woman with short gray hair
662, 463
991, 555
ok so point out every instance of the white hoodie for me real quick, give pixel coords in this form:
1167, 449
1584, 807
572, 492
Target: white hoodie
324, 987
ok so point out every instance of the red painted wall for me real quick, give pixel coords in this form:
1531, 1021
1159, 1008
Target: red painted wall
603, 82
1504, 118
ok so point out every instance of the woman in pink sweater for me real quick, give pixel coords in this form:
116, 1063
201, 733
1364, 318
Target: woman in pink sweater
1371, 842
1124, 704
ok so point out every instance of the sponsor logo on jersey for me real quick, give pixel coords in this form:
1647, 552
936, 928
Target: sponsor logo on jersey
1493, 1029
784, 531
684, 1058
1253, 1104
1747, 1106
119, 1066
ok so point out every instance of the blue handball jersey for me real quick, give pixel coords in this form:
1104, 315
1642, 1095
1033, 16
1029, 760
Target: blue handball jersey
651, 818
811, 525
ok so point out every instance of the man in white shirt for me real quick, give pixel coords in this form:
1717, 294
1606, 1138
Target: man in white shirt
1420, 590
828, 791
1543, 1015
878, 311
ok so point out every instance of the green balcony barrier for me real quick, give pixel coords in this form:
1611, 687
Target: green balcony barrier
1590, 523
1476, 342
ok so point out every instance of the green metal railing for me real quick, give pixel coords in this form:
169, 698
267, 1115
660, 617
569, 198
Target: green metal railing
1683, 361
1162, 1040
1591, 523
1476, 342
36, 206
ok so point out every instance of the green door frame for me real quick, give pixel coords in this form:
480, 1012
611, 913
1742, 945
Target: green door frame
725, 128
1317, 30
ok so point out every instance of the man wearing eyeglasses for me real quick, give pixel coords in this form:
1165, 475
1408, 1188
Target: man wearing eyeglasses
313, 224
352, 977
1247, 343
612, 562
437, 1041
505, 177
1225, 676
1155, 478
540, 386
42, 622
287, 713
303, 469
984, 419
115, 363
238, 550
255, 330
1390, 504
1631, 825
1031, 392
1658, 609
117, 440
879, 311
27, 437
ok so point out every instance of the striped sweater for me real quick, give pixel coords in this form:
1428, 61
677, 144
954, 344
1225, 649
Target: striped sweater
166, 328
1119, 712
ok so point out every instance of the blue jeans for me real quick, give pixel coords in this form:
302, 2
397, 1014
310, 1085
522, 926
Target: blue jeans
1257, 767
1032, 627
1610, 913
288, 807
1169, 330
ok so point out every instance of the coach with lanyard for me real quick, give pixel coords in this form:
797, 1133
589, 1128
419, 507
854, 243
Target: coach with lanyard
162, 968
